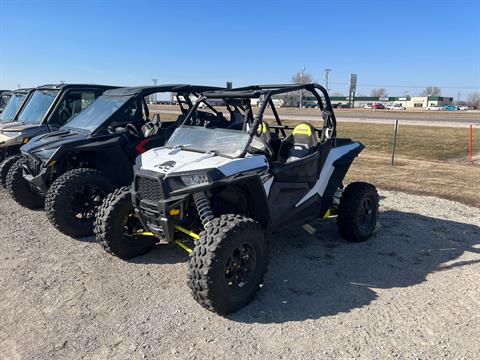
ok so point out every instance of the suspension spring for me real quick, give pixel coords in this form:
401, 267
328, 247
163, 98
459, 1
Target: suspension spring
203, 207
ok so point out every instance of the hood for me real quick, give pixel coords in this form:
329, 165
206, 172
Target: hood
54, 139
172, 161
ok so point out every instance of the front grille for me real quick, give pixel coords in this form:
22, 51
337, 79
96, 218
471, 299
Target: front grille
149, 189
33, 166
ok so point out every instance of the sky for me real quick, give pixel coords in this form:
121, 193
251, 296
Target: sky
400, 45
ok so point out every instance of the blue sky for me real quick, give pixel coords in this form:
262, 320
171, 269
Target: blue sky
398, 45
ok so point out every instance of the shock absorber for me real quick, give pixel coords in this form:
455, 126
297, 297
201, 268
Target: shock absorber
203, 207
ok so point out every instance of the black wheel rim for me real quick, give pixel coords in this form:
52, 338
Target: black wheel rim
132, 227
85, 202
366, 214
240, 266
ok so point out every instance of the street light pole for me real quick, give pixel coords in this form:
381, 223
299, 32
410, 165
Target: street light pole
301, 90
155, 95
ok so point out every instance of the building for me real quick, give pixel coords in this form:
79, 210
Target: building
409, 102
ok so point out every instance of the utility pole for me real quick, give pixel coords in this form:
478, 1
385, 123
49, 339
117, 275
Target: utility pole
155, 95
327, 73
302, 74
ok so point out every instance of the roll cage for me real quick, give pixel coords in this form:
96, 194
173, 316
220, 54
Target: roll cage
239, 98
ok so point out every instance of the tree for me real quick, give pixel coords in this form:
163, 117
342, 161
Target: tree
431, 91
293, 98
473, 100
302, 77
379, 92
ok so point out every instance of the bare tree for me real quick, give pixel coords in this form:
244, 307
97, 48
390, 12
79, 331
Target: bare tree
302, 77
294, 98
379, 92
431, 91
473, 100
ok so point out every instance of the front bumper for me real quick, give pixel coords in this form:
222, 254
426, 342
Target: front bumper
157, 214
37, 174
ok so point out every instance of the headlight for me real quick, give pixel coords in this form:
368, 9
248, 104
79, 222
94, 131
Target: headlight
195, 179
45, 154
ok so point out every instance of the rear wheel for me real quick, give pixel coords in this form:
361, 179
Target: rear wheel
73, 200
118, 230
228, 263
358, 211
5, 167
19, 188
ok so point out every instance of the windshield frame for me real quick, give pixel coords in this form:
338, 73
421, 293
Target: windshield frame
56, 94
266, 92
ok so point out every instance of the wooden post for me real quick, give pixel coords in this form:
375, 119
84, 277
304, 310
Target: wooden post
470, 145
394, 146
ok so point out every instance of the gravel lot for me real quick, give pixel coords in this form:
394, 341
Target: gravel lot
413, 291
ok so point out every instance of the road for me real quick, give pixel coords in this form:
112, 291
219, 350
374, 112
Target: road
443, 118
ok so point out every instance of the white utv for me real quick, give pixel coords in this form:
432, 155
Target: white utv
223, 193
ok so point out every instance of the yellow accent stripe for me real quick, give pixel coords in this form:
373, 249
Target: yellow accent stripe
302, 129
183, 246
146, 234
328, 214
188, 232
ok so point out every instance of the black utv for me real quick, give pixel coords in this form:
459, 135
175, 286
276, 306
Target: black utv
229, 192
49, 107
73, 169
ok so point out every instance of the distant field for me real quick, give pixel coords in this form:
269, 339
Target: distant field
430, 160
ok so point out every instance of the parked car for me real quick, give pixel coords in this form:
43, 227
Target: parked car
450, 108
463, 108
367, 106
378, 106
394, 107
435, 108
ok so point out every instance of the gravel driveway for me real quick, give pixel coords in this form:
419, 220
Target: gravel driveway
412, 291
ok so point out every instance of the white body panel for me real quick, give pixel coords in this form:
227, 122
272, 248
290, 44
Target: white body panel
327, 171
170, 161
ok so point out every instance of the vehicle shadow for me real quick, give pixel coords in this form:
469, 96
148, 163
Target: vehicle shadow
315, 273
162, 254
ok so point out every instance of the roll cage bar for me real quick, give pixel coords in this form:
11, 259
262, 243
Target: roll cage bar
267, 92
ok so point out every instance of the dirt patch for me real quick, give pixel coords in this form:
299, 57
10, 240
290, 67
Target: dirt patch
412, 291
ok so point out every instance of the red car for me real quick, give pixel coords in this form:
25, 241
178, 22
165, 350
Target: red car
378, 106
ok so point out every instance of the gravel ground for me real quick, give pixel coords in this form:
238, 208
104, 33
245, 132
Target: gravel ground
412, 291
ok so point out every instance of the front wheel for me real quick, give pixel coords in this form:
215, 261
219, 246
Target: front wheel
358, 211
73, 199
227, 265
5, 167
117, 229
19, 188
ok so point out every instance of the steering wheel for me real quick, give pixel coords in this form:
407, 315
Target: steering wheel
132, 129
